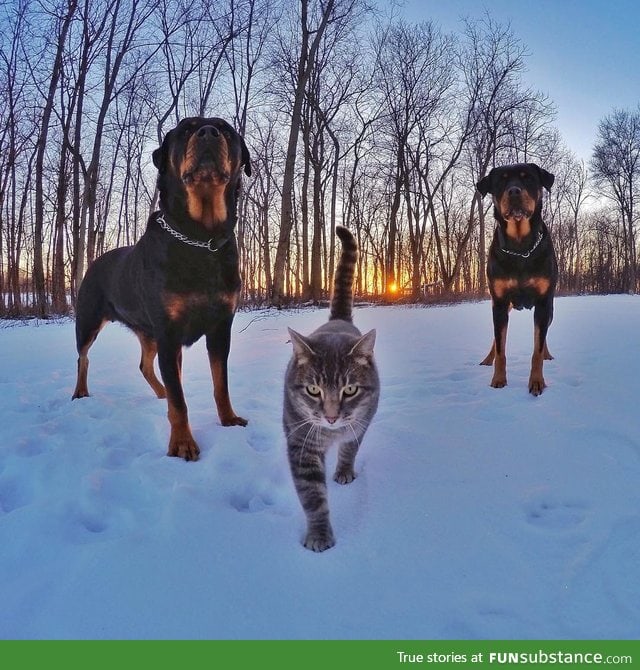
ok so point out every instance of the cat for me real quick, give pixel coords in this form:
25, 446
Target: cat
331, 394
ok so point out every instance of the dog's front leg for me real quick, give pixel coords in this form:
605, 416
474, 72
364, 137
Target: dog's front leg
218, 346
500, 323
181, 442
541, 321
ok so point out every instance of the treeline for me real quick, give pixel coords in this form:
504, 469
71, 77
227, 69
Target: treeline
351, 117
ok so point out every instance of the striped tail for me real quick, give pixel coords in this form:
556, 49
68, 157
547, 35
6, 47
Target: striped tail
342, 299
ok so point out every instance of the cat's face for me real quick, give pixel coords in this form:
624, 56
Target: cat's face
334, 381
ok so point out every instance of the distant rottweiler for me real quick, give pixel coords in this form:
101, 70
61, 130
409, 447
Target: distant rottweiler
181, 280
521, 266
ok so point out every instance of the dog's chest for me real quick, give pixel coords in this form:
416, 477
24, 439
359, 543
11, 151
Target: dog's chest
521, 292
194, 313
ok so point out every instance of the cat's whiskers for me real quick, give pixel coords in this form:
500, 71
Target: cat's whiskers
312, 432
355, 437
297, 426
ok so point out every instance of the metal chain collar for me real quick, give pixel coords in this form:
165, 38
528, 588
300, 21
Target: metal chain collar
187, 240
526, 254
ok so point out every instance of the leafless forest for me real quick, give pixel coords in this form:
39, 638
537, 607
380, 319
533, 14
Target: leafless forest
351, 117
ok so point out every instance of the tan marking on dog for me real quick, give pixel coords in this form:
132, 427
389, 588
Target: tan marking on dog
206, 205
206, 195
501, 286
229, 299
499, 379
226, 414
181, 441
488, 359
517, 229
539, 284
149, 352
82, 389
536, 379
178, 304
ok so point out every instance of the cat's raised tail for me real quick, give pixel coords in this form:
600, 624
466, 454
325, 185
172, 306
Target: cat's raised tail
342, 298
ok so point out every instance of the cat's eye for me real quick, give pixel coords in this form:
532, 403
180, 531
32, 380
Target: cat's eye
313, 390
350, 390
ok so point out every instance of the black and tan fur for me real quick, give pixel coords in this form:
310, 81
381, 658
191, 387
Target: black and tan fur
521, 268
330, 397
169, 291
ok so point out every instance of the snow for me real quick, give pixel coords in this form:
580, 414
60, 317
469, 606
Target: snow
477, 513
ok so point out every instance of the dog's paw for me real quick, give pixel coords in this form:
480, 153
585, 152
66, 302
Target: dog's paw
498, 382
234, 421
183, 446
536, 385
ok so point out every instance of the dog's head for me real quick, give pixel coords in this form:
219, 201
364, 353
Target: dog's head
517, 196
199, 167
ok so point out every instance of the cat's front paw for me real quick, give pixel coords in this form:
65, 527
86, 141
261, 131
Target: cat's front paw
344, 476
318, 542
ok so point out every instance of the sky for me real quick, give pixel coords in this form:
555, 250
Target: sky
584, 54
476, 513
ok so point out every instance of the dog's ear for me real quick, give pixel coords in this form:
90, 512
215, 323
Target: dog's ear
159, 155
546, 178
484, 185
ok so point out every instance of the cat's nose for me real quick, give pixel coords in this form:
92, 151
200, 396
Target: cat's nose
331, 419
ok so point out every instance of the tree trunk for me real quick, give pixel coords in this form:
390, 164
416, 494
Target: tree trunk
305, 65
39, 283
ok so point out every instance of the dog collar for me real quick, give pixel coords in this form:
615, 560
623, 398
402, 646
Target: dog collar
209, 245
521, 254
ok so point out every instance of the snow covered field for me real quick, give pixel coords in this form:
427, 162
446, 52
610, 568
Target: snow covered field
477, 513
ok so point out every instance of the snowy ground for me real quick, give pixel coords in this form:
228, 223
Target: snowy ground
477, 513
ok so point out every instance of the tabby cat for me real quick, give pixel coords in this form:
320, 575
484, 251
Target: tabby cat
330, 396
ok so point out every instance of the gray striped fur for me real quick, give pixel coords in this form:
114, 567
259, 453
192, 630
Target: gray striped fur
342, 299
320, 406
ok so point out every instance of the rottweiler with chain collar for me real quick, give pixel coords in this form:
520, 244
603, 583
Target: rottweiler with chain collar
181, 281
521, 266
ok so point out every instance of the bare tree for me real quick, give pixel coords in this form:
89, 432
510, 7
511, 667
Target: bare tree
16, 154
615, 167
61, 27
309, 42
563, 215
492, 64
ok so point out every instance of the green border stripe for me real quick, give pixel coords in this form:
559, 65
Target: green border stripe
323, 655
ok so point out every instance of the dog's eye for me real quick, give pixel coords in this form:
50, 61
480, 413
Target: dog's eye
313, 390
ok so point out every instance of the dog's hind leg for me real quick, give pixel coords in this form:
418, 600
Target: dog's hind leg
149, 353
488, 360
86, 332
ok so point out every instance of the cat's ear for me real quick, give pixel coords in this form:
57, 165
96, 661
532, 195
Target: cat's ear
363, 348
301, 347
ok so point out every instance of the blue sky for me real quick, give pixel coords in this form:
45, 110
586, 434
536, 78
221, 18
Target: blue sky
585, 55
